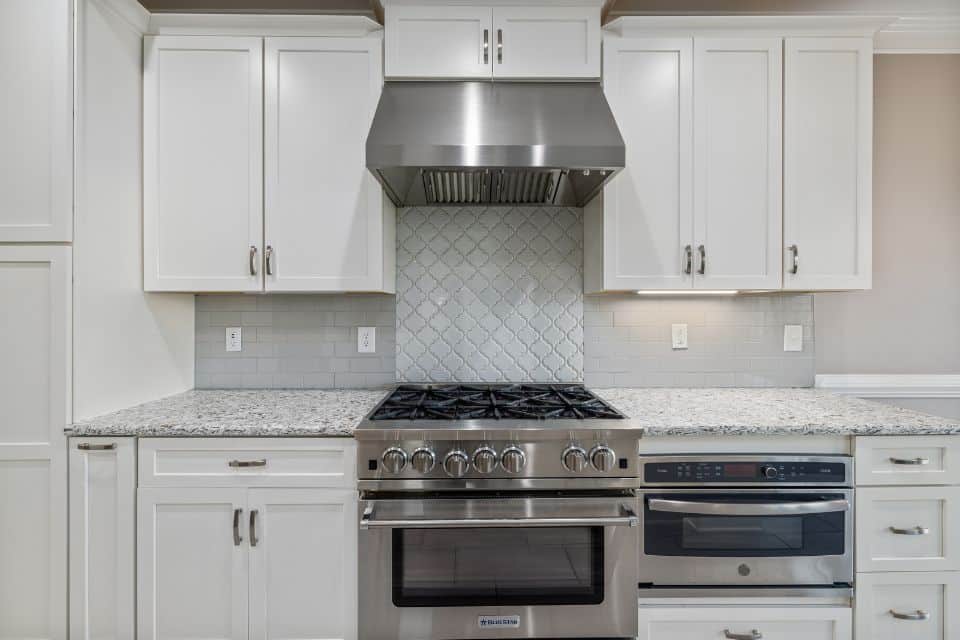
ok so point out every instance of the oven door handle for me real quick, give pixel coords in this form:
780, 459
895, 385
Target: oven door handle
748, 509
627, 519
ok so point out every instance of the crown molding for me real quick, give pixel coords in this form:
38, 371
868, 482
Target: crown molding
782, 25
920, 34
130, 12
891, 386
243, 24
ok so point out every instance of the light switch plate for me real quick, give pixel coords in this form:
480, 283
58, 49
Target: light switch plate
793, 337
679, 336
234, 339
366, 339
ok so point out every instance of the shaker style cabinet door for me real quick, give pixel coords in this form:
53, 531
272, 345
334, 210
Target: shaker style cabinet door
35, 396
36, 121
192, 570
303, 564
327, 224
827, 166
638, 233
546, 42
203, 159
438, 41
737, 163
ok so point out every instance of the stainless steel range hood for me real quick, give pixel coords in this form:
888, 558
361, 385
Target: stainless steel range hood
452, 143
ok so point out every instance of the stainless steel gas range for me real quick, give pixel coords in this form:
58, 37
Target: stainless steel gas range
497, 511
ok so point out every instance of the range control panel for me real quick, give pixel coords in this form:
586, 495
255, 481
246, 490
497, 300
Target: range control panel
825, 471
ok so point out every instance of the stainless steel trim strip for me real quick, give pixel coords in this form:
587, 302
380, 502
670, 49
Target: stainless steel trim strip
747, 509
367, 521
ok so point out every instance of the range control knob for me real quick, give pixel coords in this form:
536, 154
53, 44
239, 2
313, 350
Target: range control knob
485, 459
423, 459
394, 459
456, 464
513, 459
770, 473
574, 459
602, 458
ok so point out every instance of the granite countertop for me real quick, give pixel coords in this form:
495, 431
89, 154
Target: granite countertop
697, 412
239, 413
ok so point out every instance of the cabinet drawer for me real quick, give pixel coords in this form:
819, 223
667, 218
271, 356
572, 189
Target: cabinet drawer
725, 622
882, 460
907, 528
245, 462
895, 606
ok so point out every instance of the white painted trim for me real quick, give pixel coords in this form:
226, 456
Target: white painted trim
749, 25
131, 12
258, 25
928, 34
891, 386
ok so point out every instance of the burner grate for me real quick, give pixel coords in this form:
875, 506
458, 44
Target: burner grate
493, 402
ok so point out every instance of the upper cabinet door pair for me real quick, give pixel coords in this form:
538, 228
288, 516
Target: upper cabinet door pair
748, 165
254, 165
484, 42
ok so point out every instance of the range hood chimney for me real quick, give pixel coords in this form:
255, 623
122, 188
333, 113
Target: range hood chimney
517, 143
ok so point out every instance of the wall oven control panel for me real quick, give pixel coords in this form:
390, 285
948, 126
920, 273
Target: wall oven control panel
749, 470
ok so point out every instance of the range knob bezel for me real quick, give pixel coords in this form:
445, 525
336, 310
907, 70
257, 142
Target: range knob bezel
581, 456
513, 450
423, 451
492, 455
607, 453
456, 453
389, 467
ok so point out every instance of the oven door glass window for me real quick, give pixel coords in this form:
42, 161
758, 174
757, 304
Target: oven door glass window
497, 566
688, 534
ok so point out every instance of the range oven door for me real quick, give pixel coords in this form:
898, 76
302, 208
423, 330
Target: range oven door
498, 567
779, 537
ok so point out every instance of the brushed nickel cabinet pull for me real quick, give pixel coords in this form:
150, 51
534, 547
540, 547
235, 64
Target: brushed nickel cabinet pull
702, 269
910, 460
243, 464
499, 46
486, 46
268, 258
253, 260
796, 259
688, 260
237, 538
89, 446
253, 527
916, 615
912, 531
753, 635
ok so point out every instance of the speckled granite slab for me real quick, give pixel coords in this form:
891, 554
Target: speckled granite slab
697, 412
238, 413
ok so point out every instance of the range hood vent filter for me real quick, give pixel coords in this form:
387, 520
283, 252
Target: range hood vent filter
483, 186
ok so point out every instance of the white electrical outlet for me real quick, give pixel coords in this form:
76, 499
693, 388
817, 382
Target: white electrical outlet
366, 339
793, 337
234, 339
679, 336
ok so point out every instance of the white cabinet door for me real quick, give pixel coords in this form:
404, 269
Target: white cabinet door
36, 120
546, 42
203, 159
303, 564
192, 559
327, 225
638, 234
103, 486
828, 129
438, 41
897, 606
737, 162
718, 622
35, 396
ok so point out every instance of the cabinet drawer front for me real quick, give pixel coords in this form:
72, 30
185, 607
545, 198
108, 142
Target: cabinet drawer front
894, 606
770, 623
907, 528
883, 460
241, 462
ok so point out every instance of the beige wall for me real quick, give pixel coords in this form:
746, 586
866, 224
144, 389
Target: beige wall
910, 321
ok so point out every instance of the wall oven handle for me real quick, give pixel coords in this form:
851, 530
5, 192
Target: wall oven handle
748, 509
627, 518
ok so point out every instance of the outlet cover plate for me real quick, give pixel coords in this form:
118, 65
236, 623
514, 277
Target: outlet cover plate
678, 333
234, 339
366, 339
793, 337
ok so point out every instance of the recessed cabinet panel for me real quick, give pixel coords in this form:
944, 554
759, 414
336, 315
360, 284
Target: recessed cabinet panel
718, 622
438, 42
918, 606
203, 159
546, 42
737, 163
828, 129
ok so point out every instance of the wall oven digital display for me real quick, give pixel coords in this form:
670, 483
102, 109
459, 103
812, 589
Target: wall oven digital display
739, 470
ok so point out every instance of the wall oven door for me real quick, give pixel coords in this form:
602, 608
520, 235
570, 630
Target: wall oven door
748, 537
500, 566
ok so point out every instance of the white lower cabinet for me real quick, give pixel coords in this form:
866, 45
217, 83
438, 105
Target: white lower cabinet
745, 623
914, 606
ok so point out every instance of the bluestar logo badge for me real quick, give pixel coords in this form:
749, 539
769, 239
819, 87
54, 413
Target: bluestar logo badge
498, 622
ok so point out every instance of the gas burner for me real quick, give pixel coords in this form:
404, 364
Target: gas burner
493, 402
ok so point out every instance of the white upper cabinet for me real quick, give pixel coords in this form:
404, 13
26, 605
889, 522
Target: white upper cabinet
737, 163
534, 41
203, 159
828, 130
438, 42
638, 234
327, 226
36, 121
